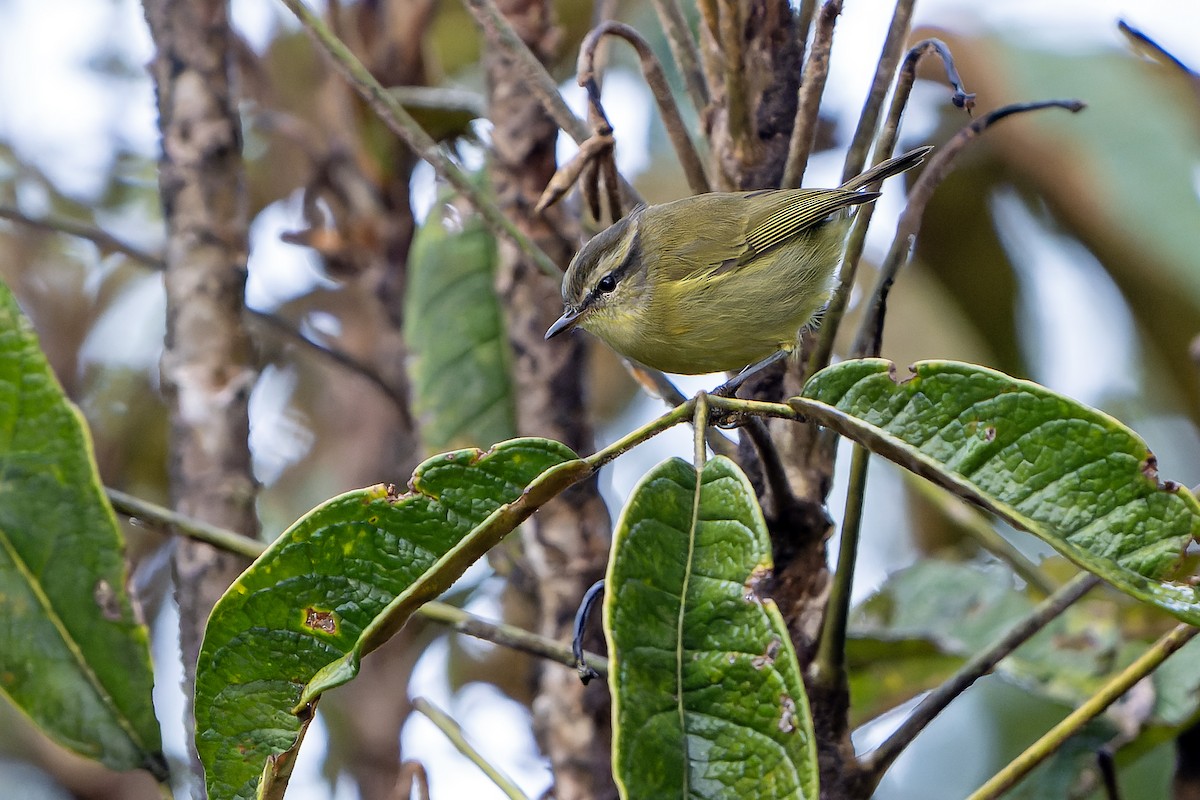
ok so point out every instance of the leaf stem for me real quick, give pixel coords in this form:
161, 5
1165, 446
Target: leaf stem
454, 733
876, 763
700, 423
400, 122
679, 414
1043, 748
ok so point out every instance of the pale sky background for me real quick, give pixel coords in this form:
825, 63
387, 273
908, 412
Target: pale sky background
60, 116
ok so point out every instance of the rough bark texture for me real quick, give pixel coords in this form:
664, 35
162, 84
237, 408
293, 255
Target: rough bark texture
566, 545
207, 366
753, 99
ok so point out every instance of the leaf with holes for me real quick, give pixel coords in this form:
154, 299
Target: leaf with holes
1071, 475
339, 583
708, 700
72, 656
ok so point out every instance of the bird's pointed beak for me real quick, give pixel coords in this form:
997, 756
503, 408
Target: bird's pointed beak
568, 320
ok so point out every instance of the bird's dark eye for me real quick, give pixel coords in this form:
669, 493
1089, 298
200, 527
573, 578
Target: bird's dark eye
607, 284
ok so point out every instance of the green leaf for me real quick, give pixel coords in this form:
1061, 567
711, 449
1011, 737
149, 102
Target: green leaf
708, 700
454, 327
933, 614
1072, 476
885, 671
72, 655
336, 585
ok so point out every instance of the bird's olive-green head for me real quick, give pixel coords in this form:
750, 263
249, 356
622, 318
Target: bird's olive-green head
716, 281
606, 279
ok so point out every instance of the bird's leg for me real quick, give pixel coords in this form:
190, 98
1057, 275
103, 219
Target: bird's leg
729, 387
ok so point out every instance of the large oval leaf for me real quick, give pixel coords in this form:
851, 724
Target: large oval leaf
72, 656
708, 700
1073, 476
336, 585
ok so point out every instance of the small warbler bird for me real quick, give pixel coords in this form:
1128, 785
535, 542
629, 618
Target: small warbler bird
717, 281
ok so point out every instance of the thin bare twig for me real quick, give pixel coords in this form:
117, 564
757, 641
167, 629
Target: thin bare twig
889, 56
808, 101
583, 163
536, 78
81, 230
1152, 49
539, 81
832, 318
684, 49
870, 333
710, 50
400, 122
656, 79
905, 79
804, 20
339, 357
877, 762
106, 241
829, 667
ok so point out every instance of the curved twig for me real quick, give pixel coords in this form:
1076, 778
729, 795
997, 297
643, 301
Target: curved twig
656, 79
539, 81
870, 332
812, 86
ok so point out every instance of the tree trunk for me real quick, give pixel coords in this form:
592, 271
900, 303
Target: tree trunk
207, 366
